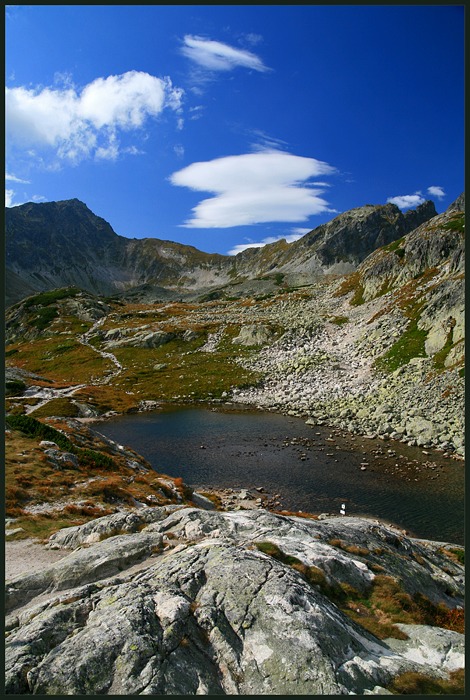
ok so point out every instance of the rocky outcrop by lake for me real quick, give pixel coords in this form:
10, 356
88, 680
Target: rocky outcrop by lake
177, 600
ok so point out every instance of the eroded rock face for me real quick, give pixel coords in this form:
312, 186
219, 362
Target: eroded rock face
210, 614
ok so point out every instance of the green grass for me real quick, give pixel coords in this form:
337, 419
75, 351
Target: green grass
409, 345
188, 373
352, 283
394, 245
440, 357
32, 427
459, 554
457, 223
60, 359
43, 317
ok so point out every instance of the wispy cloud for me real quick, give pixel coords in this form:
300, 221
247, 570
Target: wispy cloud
254, 188
436, 191
196, 112
216, 56
79, 125
13, 178
407, 201
252, 38
264, 142
10, 196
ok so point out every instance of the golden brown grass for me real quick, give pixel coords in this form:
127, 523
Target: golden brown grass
74, 494
382, 606
412, 683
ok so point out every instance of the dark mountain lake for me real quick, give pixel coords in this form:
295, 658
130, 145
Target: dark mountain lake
313, 468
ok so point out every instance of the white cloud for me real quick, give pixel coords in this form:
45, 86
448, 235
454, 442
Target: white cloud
300, 231
252, 38
133, 151
9, 195
79, 125
13, 178
290, 238
216, 56
254, 188
196, 112
407, 201
436, 191
110, 151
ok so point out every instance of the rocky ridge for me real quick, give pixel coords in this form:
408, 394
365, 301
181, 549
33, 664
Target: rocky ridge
60, 244
186, 601
334, 372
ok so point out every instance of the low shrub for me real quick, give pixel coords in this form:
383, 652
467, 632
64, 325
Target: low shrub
91, 458
34, 428
46, 298
13, 387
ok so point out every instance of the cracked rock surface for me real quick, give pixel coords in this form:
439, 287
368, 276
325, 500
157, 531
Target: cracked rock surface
182, 602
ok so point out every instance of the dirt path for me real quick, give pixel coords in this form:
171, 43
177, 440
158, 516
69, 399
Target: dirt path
26, 556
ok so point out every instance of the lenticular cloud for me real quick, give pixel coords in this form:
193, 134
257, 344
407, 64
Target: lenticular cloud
82, 124
254, 188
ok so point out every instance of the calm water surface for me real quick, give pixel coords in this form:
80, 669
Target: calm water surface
313, 468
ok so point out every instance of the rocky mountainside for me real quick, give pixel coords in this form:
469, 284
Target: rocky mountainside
380, 350
166, 595
59, 244
180, 601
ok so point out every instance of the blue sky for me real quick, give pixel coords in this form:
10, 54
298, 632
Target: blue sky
225, 126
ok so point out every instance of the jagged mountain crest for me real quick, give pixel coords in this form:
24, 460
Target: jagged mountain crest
57, 244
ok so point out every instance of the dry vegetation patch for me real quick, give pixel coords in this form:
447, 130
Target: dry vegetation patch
42, 496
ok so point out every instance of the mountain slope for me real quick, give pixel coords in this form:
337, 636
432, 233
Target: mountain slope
59, 244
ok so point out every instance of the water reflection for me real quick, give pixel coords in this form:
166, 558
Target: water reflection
313, 468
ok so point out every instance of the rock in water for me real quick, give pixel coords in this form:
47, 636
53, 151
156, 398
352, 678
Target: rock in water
211, 614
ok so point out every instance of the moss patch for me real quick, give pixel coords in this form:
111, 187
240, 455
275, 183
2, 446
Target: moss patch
409, 345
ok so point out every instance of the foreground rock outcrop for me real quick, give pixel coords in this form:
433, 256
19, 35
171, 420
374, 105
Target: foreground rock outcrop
190, 602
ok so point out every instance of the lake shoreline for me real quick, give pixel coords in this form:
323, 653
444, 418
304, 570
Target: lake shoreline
399, 471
